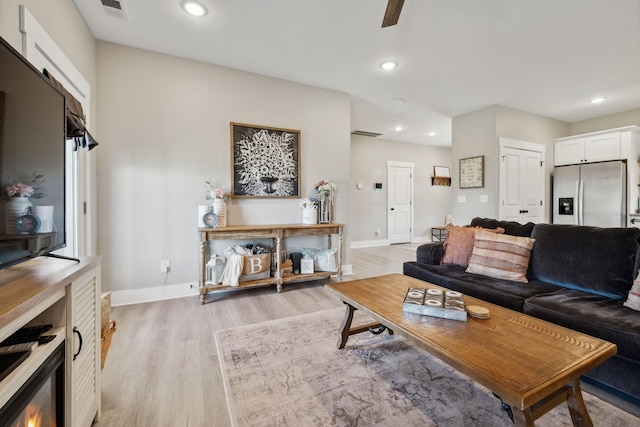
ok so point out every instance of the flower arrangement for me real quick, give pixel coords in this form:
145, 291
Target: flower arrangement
32, 189
309, 203
325, 189
213, 191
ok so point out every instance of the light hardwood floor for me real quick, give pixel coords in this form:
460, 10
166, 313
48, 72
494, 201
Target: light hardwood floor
162, 368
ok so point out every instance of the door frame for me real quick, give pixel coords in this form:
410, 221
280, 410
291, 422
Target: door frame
42, 52
411, 166
524, 146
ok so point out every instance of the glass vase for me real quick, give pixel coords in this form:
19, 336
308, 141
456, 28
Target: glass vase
326, 210
14, 208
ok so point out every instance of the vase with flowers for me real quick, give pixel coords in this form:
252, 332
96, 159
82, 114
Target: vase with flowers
325, 192
19, 199
219, 206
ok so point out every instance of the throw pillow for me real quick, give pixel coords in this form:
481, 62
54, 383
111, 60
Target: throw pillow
458, 244
323, 259
633, 300
501, 256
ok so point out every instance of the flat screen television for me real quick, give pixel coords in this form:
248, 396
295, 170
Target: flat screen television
32, 143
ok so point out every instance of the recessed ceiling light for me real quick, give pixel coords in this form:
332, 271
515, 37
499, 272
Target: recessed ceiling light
398, 128
432, 134
598, 100
388, 65
399, 101
194, 8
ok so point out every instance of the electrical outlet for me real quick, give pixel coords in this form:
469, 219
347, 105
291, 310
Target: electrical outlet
165, 264
377, 233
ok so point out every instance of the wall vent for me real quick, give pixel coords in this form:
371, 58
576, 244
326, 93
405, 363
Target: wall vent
365, 133
114, 8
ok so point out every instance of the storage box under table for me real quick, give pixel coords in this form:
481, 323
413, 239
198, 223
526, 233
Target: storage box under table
256, 267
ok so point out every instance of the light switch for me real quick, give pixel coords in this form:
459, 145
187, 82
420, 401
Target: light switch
359, 186
462, 199
484, 198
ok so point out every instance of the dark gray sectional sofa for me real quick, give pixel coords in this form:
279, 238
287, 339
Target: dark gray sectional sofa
579, 278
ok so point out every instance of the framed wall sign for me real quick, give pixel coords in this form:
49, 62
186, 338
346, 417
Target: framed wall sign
472, 172
265, 161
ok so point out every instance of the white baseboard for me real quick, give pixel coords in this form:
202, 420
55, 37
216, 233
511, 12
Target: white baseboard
159, 293
385, 242
369, 243
347, 270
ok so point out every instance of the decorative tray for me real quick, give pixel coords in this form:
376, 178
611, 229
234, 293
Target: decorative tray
436, 303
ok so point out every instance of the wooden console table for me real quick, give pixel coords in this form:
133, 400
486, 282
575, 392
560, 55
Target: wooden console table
275, 232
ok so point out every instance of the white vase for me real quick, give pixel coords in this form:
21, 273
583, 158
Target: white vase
15, 207
220, 209
309, 216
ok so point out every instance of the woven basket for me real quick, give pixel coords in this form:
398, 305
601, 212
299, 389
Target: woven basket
107, 334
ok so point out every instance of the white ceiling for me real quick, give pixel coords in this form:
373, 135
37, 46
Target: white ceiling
546, 57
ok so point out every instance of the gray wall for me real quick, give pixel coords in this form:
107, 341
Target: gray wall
612, 121
369, 158
476, 134
165, 129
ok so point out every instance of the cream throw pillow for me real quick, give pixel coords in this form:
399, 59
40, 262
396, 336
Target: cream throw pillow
458, 243
633, 300
501, 256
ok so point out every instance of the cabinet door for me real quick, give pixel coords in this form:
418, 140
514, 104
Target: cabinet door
568, 152
83, 350
602, 147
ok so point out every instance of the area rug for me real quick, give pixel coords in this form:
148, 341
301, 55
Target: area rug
289, 373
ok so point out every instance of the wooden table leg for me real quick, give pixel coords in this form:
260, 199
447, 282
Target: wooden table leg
345, 327
578, 411
346, 330
522, 418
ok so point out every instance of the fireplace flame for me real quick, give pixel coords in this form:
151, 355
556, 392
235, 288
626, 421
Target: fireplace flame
32, 416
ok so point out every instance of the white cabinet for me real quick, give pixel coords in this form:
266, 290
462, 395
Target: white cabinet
83, 350
587, 148
66, 295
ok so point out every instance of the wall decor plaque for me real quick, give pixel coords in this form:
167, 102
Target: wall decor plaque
472, 172
265, 162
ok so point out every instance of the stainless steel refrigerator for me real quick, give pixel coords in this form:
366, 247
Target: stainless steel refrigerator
591, 194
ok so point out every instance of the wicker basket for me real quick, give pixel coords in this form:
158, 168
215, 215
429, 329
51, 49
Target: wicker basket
107, 334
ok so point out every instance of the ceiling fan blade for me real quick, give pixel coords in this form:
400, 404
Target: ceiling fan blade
392, 14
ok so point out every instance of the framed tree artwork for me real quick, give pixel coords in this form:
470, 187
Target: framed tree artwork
265, 162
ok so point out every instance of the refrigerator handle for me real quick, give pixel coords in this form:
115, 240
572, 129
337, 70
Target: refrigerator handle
581, 203
576, 206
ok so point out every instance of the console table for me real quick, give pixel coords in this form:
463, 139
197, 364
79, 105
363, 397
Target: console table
275, 232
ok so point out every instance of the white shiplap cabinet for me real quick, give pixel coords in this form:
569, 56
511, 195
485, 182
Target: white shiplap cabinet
83, 349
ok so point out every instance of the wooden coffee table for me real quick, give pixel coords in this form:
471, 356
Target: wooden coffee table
531, 364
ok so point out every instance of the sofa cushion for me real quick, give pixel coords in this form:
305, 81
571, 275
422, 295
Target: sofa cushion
500, 256
458, 244
633, 300
592, 259
595, 315
511, 228
496, 291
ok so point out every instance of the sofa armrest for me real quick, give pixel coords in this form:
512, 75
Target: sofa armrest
430, 253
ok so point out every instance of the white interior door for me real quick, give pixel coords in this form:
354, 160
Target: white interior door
521, 183
399, 201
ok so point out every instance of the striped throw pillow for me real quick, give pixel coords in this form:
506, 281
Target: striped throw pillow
501, 256
633, 300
